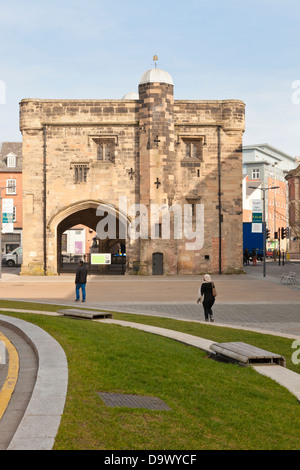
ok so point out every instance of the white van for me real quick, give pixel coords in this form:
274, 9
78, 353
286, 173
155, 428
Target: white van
13, 258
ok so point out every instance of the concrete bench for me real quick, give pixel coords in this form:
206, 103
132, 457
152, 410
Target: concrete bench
289, 278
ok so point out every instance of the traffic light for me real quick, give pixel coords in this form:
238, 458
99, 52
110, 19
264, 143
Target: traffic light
276, 235
283, 233
287, 232
267, 233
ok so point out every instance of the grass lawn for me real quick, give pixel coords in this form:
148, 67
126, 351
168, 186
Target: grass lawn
214, 405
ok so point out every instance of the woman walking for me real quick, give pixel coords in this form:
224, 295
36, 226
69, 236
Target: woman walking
207, 294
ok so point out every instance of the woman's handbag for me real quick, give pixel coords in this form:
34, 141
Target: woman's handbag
214, 291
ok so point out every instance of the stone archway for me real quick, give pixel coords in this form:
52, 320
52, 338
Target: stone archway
85, 213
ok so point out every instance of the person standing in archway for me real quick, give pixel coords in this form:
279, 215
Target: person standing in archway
80, 281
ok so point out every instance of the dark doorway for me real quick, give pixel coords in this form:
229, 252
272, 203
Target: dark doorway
77, 240
157, 264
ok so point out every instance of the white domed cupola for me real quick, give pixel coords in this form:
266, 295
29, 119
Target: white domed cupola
156, 75
131, 96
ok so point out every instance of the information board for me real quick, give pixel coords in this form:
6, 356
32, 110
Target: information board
100, 258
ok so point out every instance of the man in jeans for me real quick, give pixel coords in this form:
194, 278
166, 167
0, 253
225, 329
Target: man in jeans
80, 281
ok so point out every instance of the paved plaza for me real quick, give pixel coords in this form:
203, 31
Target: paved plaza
249, 300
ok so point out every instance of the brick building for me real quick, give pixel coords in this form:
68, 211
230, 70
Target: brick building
11, 188
293, 179
265, 166
100, 162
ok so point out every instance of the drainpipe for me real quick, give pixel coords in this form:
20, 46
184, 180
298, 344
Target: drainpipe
220, 202
45, 199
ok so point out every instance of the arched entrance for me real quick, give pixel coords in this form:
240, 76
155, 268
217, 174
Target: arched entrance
75, 229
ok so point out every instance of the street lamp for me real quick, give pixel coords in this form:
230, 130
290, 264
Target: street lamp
264, 222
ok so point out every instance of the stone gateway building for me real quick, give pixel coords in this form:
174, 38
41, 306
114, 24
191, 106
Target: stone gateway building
158, 177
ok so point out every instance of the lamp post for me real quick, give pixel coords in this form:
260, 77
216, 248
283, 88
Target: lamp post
264, 222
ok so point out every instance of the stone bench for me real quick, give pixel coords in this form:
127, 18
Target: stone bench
245, 354
86, 314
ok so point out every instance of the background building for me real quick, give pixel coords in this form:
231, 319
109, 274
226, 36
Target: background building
11, 188
266, 166
293, 179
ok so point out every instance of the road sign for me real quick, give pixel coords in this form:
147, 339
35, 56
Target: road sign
257, 217
7, 215
257, 209
257, 205
256, 228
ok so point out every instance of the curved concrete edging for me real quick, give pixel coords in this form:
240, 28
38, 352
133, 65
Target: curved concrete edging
39, 425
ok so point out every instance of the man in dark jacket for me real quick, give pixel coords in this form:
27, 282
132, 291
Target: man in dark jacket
80, 281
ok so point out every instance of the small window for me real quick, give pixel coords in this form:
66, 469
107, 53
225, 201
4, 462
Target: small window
193, 149
255, 173
80, 173
188, 149
11, 186
11, 161
105, 150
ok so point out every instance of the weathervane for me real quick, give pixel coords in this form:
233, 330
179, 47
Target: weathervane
155, 58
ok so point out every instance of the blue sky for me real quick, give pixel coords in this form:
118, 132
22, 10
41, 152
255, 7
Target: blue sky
216, 49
